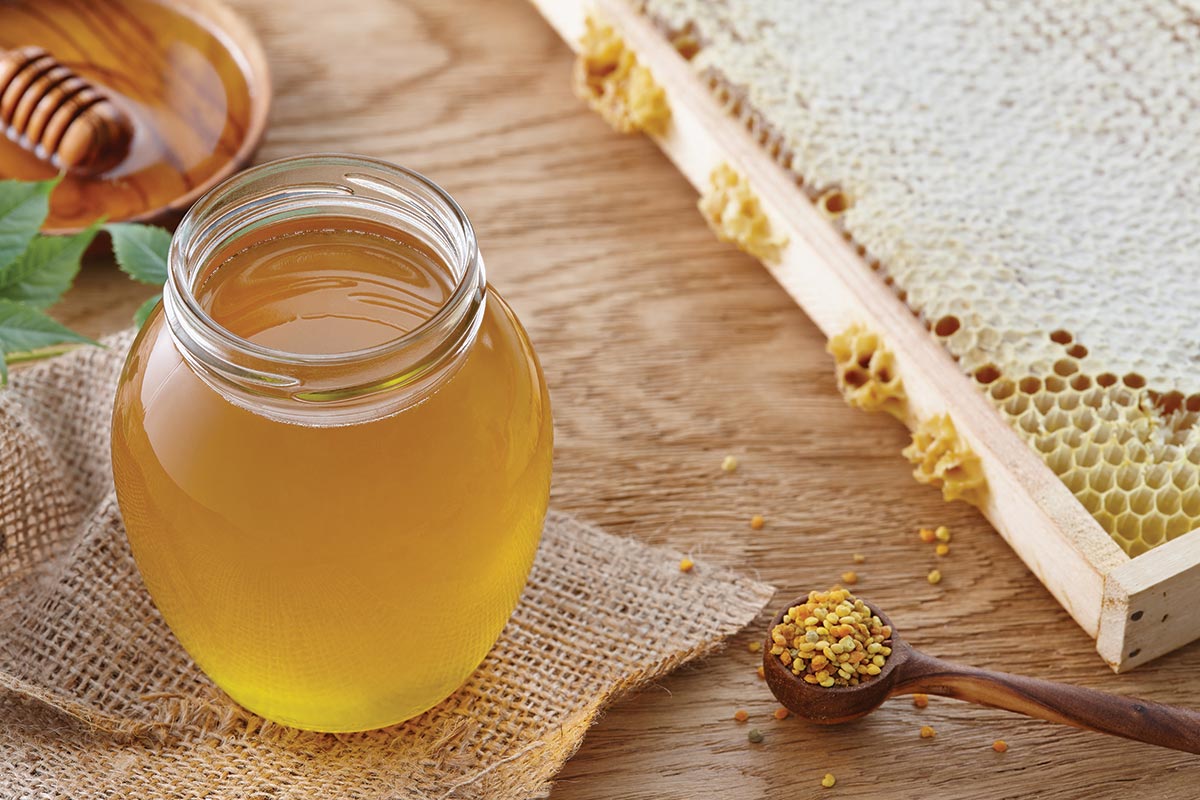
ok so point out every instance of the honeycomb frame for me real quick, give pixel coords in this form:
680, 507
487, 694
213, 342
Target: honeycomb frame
1128, 605
1117, 421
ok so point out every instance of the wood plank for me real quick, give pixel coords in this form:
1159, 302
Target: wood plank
664, 351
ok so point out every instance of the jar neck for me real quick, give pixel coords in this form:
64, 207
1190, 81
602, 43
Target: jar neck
324, 388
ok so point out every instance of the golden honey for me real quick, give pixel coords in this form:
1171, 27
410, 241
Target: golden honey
339, 539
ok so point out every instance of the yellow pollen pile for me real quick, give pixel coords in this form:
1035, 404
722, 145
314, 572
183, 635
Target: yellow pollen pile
609, 77
942, 459
735, 214
866, 372
833, 639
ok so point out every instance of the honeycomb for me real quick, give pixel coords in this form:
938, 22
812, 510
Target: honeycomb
866, 372
941, 459
735, 214
1021, 174
609, 78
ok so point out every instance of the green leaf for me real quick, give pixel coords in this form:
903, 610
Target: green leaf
24, 206
141, 251
24, 329
139, 316
46, 269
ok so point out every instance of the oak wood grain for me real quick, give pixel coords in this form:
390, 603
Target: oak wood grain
665, 351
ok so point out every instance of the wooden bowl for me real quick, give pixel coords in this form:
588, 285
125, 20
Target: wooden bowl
836, 704
190, 74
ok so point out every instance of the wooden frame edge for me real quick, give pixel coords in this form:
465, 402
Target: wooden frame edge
1149, 604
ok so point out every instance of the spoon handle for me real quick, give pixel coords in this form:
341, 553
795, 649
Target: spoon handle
1153, 723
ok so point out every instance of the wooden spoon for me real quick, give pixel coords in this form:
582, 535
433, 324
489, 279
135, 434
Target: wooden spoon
909, 671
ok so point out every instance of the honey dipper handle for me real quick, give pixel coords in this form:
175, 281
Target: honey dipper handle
1153, 723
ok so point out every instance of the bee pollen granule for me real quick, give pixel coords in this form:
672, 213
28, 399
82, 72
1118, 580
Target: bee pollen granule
828, 781
832, 639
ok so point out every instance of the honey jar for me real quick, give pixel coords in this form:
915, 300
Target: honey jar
332, 444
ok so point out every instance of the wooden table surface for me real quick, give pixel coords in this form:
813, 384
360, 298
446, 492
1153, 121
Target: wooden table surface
666, 351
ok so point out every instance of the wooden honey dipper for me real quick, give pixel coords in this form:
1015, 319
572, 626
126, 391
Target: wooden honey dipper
59, 116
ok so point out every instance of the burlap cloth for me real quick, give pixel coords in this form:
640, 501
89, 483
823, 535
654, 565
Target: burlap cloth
97, 699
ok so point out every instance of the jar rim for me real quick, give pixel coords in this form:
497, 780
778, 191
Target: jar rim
469, 276
339, 387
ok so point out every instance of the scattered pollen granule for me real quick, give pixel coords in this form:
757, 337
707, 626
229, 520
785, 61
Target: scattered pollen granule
942, 534
781, 713
686, 565
755, 646
833, 639
942, 550
741, 715
760, 672
828, 781
934, 577
757, 522
729, 464
859, 558
927, 535
850, 578
1000, 746
927, 732
755, 736
920, 700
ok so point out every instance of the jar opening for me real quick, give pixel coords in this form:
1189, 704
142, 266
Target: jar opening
236, 281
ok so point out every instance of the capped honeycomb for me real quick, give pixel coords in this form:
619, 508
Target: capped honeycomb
735, 214
1022, 173
609, 77
866, 372
940, 458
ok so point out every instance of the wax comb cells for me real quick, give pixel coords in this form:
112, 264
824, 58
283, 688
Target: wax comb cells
1034, 205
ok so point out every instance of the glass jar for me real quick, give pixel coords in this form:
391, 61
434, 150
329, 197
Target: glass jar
332, 444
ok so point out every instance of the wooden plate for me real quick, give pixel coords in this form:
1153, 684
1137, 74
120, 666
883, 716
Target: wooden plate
190, 74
